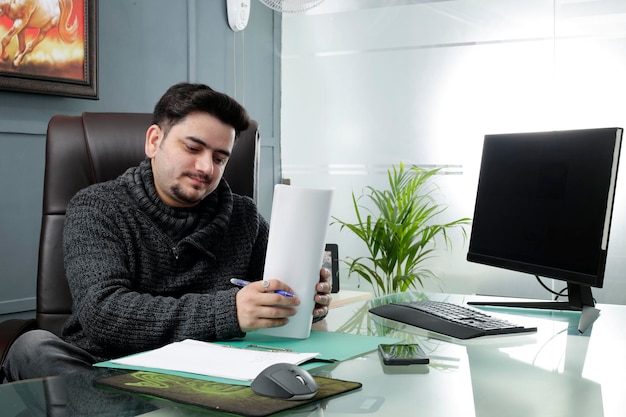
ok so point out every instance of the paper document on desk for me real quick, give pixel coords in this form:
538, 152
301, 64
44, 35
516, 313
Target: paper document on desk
295, 249
204, 358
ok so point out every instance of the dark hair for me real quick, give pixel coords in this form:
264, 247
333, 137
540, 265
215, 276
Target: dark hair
184, 98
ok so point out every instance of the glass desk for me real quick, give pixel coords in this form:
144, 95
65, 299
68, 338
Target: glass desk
554, 372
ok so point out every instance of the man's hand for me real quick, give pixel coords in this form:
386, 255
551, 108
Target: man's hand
258, 307
323, 297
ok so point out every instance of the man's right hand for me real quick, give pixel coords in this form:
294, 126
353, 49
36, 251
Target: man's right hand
259, 307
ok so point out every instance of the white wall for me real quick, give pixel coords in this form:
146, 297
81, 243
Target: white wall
368, 83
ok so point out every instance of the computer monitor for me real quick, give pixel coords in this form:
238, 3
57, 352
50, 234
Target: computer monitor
544, 206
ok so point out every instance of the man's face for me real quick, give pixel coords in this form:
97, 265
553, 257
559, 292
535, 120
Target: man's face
189, 162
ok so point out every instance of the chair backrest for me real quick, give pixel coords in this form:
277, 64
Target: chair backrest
92, 148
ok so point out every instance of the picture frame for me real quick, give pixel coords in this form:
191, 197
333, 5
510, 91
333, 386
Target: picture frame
64, 61
331, 262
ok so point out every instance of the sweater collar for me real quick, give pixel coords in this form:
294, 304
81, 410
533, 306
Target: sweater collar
199, 226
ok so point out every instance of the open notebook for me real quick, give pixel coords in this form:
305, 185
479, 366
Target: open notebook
330, 347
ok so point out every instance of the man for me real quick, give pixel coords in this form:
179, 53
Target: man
149, 256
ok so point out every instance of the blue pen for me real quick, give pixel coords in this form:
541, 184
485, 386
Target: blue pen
242, 283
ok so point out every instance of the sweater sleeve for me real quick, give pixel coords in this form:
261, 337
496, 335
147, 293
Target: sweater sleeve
110, 316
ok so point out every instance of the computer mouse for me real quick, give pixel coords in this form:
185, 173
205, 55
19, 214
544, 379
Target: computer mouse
285, 381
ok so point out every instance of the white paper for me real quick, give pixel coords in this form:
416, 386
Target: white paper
204, 358
295, 249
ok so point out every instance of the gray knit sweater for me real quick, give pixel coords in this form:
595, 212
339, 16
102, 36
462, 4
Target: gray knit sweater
143, 274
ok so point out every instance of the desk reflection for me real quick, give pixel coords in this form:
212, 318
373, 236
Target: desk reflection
73, 395
543, 379
515, 375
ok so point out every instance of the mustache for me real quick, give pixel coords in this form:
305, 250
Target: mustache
198, 176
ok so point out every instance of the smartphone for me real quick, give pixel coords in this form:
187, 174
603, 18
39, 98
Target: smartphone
402, 354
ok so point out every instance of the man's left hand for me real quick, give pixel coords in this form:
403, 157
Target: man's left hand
323, 297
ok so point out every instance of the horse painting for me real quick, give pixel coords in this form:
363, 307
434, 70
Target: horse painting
37, 14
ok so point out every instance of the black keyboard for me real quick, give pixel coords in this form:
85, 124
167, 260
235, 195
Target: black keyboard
457, 321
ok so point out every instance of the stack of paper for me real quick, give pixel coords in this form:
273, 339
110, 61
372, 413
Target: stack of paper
204, 358
295, 249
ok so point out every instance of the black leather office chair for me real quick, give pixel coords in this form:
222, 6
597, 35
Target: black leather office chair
84, 150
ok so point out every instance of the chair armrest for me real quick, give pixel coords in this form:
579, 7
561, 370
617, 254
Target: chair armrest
9, 331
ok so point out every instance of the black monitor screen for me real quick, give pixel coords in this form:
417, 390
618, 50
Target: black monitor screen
544, 203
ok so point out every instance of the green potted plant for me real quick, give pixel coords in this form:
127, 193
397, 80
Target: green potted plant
399, 229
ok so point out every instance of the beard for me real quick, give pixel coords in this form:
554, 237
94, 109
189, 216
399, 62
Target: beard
178, 192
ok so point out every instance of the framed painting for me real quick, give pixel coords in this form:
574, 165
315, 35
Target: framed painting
54, 51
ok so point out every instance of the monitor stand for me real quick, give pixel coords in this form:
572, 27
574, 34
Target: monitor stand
579, 299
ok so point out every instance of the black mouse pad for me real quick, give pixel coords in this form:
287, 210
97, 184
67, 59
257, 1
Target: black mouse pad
236, 399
